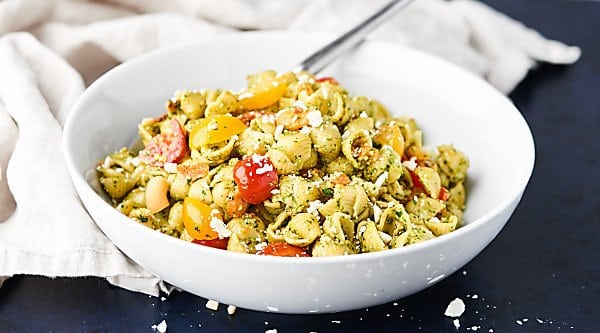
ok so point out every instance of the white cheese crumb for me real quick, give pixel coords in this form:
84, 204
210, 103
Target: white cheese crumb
434, 219
336, 321
456, 323
264, 169
411, 164
170, 167
160, 327
456, 308
135, 161
361, 230
305, 130
313, 206
212, 125
272, 308
345, 135
231, 309
475, 296
212, 305
275, 191
363, 115
314, 118
473, 328
539, 321
278, 131
234, 137
519, 322
378, 124
274, 330
381, 179
300, 104
260, 246
376, 212
385, 237
325, 92
219, 226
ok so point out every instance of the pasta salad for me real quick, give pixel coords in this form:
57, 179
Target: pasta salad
293, 165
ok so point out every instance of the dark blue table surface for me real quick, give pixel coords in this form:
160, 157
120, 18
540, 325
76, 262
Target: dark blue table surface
539, 275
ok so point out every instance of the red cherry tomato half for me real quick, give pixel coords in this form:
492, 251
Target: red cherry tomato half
282, 249
166, 147
217, 243
444, 194
327, 79
255, 177
415, 179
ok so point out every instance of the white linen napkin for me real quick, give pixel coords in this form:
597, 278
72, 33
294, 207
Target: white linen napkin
50, 50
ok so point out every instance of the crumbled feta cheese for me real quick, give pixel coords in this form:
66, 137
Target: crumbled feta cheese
268, 118
313, 207
160, 327
278, 131
376, 212
212, 305
363, 115
361, 230
275, 191
260, 246
519, 322
539, 321
336, 321
456, 308
300, 104
435, 219
411, 164
272, 308
213, 125
219, 226
170, 167
305, 130
475, 296
378, 124
119, 170
385, 237
231, 309
274, 330
473, 328
381, 179
235, 137
456, 323
314, 118
264, 169
135, 161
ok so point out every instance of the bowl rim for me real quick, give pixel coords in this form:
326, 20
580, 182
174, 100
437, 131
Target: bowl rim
514, 193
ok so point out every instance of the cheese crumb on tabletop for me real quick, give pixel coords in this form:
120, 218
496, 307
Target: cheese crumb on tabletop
160, 327
456, 323
212, 305
231, 309
455, 309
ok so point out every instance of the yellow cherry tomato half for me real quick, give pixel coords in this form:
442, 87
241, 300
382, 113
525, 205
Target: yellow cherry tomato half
196, 219
215, 129
262, 96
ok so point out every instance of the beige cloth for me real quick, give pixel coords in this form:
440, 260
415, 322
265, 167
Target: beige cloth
50, 50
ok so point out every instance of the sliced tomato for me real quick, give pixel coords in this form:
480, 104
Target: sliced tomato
196, 219
415, 179
327, 79
282, 249
218, 243
262, 96
444, 194
215, 129
166, 147
255, 177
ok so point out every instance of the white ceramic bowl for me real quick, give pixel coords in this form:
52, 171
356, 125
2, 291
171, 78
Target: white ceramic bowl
451, 106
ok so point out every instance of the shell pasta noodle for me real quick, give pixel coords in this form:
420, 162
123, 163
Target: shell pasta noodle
292, 165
